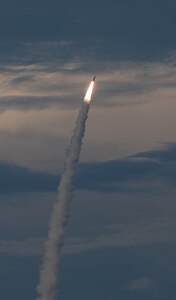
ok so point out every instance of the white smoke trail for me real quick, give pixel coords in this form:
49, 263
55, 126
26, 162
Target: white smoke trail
47, 286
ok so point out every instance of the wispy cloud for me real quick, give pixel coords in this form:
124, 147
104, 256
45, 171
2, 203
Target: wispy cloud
39, 86
151, 232
143, 172
142, 284
20, 179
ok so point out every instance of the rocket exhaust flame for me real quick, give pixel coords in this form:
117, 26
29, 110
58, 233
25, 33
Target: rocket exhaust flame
88, 95
47, 287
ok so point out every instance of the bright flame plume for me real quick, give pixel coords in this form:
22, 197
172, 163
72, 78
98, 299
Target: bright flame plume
88, 95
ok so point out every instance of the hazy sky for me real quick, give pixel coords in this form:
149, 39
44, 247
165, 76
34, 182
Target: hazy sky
121, 237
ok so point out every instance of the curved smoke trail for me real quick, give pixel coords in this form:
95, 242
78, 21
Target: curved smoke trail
49, 271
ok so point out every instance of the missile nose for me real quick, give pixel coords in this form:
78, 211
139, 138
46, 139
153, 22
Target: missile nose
94, 78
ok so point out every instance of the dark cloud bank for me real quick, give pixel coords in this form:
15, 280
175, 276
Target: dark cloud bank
15, 178
136, 29
146, 171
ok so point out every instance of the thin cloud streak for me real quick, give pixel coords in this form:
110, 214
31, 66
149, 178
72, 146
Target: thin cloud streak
153, 170
41, 86
151, 232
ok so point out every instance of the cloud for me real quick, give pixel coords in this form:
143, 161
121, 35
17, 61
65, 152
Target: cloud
30, 247
44, 84
26, 103
164, 155
142, 284
34, 86
144, 172
126, 31
148, 233
15, 178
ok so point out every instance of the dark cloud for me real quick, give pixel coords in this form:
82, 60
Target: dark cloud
136, 30
166, 155
142, 284
15, 178
25, 103
145, 171
152, 170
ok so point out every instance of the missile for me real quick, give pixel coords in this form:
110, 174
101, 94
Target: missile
94, 78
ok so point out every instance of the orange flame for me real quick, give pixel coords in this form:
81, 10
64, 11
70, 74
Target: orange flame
88, 95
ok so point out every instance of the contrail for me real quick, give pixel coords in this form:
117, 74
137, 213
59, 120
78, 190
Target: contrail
47, 287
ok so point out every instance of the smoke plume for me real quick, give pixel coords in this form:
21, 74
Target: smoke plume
47, 287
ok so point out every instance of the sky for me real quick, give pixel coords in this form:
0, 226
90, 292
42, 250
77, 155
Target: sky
120, 241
